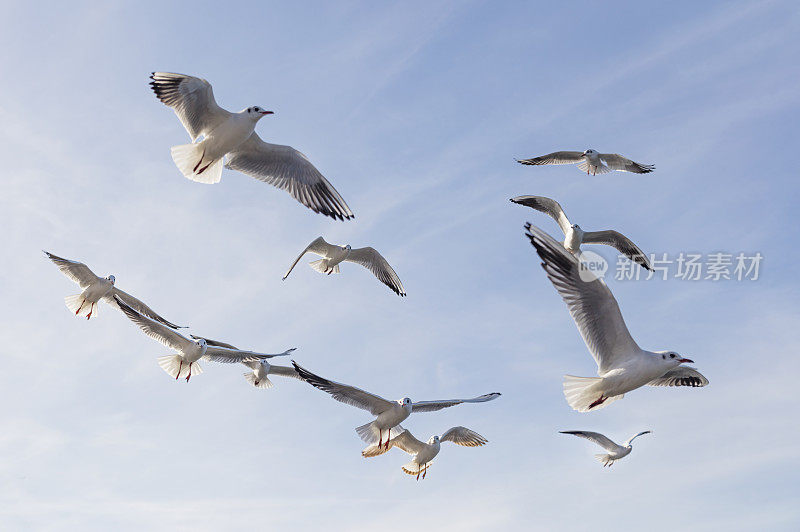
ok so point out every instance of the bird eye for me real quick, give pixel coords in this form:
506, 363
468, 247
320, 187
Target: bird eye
664, 357
672, 355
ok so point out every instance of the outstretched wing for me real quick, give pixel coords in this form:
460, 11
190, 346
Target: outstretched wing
318, 246
590, 302
405, 441
681, 376
432, 406
157, 331
289, 170
595, 437
213, 342
622, 243
617, 162
369, 258
284, 371
548, 206
634, 437
192, 99
464, 436
235, 356
349, 395
557, 157
77, 271
139, 307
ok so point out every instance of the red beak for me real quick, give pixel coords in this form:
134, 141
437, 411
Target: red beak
267, 113
682, 360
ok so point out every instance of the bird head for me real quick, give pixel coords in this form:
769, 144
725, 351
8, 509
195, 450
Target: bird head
576, 227
257, 113
111, 279
433, 440
588, 152
202, 342
347, 247
405, 401
673, 359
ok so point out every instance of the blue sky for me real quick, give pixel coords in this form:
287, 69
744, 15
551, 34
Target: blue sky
415, 112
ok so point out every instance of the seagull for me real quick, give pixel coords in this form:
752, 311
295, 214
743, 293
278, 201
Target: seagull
574, 236
591, 161
424, 453
261, 368
232, 136
622, 365
189, 352
96, 288
367, 257
615, 452
389, 414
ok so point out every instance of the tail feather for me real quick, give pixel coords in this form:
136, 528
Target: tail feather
582, 392
370, 433
176, 368
413, 468
604, 459
79, 306
189, 160
320, 265
258, 383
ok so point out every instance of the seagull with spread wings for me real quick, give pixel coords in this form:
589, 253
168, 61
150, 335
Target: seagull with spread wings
574, 236
189, 352
591, 161
389, 414
231, 138
259, 377
367, 257
615, 452
94, 289
622, 365
424, 453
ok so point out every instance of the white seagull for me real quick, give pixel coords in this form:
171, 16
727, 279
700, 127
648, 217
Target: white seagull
95, 288
574, 236
389, 414
367, 257
261, 368
615, 452
622, 365
591, 161
232, 136
424, 453
189, 352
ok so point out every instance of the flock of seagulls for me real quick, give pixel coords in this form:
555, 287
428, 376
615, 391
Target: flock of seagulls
221, 138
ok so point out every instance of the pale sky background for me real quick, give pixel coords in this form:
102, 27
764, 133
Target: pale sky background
415, 112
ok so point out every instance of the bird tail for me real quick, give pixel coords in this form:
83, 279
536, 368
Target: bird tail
413, 468
603, 458
78, 305
321, 266
175, 367
370, 433
258, 383
189, 160
581, 393
374, 450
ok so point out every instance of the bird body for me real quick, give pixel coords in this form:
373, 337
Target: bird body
614, 451
622, 366
591, 161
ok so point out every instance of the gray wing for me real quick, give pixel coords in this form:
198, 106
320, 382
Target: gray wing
634, 437
617, 162
373, 261
192, 99
157, 331
595, 437
557, 157
548, 206
77, 271
349, 395
405, 441
623, 244
213, 342
318, 246
432, 406
464, 436
236, 356
289, 170
591, 304
139, 307
284, 371
681, 376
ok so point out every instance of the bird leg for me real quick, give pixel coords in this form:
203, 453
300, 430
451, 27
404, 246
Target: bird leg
595, 171
598, 402
179, 370
91, 309
79, 308
419, 469
189, 376
424, 471
198, 162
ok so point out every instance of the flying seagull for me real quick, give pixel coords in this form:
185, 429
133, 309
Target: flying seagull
232, 136
261, 368
424, 453
367, 257
95, 288
591, 161
622, 365
189, 352
389, 414
615, 452
574, 236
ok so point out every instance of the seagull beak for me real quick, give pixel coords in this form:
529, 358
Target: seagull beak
267, 113
683, 360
